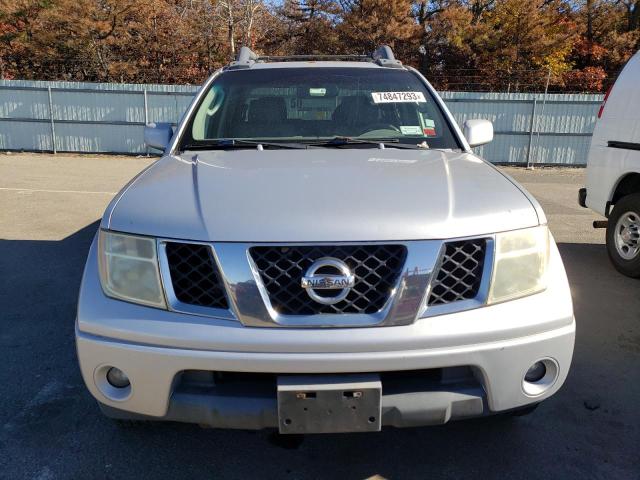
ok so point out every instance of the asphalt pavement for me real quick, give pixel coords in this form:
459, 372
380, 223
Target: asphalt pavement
50, 427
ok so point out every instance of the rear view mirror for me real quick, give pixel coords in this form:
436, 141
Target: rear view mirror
158, 135
478, 132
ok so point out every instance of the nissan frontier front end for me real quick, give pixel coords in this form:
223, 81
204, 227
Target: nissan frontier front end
319, 250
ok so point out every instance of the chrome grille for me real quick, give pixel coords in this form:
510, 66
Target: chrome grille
376, 268
460, 272
195, 276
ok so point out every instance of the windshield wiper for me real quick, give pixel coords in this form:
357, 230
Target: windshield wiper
384, 142
231, 143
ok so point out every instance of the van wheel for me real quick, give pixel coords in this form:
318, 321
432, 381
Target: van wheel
623, 236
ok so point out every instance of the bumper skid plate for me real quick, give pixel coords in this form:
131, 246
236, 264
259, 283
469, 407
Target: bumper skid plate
329, 404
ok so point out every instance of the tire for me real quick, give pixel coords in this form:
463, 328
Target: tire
623, 236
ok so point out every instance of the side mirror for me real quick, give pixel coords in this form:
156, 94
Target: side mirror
158, 135
478, 132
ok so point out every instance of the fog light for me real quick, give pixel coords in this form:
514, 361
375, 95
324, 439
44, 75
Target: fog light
117, 378
536, 372
540, 377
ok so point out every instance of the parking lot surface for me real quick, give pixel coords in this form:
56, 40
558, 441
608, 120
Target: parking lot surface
50, 427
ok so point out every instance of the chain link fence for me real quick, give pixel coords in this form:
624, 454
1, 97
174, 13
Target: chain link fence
530, 128
521, 81
195, 70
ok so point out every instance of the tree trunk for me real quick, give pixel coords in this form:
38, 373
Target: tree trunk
231, 29
589, 29
231, 36
590, 20
634, 16
247, 33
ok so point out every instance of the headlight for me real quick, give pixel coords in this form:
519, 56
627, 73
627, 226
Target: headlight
129, 268
520, 264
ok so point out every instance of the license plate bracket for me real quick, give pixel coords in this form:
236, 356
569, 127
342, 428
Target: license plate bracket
329, 403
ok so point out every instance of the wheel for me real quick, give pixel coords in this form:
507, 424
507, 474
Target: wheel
623, 236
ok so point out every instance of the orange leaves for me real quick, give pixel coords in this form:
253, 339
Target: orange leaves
495, 44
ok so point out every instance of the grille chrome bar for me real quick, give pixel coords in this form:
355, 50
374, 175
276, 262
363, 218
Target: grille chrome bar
250, 301
248, 298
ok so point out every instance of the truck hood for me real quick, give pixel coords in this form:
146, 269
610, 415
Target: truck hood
320, 195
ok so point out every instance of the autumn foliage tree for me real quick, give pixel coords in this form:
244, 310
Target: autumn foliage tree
305, 27
368, 23
516, 45
608, 34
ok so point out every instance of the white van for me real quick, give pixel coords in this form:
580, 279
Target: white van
613, 171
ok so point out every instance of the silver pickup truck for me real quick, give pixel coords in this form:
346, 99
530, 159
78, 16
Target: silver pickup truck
319, 250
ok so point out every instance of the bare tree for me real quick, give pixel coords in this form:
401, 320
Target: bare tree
227, 11
250, 9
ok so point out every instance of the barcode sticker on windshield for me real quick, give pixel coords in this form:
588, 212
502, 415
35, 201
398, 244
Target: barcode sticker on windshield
397, 97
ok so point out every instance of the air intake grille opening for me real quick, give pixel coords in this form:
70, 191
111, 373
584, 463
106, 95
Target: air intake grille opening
460, 272
376, 268
195, 276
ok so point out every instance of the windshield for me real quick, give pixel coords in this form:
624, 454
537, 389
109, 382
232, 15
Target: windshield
314, 104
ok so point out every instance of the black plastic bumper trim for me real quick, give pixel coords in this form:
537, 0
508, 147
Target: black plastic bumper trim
623, 145
431, 406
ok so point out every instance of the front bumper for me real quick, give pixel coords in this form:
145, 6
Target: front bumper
497, 344
154, 372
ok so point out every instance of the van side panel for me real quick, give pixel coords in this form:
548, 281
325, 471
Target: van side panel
620, 122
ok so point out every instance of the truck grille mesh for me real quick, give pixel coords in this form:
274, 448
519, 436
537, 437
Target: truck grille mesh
195, 276
460, 272
376, 268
